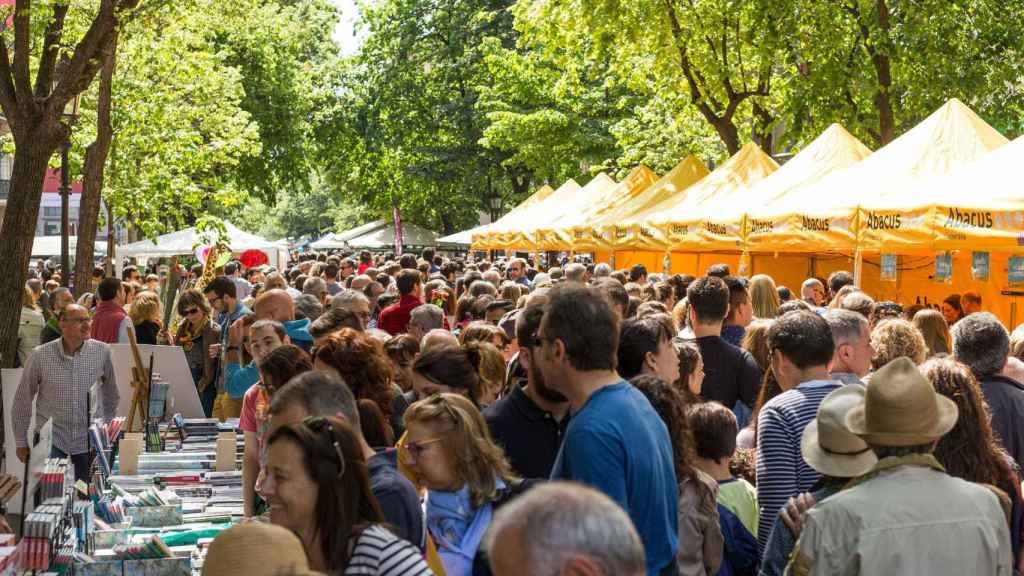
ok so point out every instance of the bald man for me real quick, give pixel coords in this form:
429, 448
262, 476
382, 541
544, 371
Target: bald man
278, 305
438, 338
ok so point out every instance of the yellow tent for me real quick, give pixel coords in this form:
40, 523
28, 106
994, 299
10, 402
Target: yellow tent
576, 231
507, 230
608, 225
680, 224
540, 194
826, 217
538, 234
833, 150
980, 206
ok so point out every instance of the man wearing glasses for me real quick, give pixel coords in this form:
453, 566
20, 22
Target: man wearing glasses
222, 293
517, 272
58, 377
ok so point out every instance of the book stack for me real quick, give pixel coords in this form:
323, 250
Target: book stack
42, 534
53, 478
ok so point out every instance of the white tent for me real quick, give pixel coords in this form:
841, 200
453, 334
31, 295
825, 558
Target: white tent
383, 238
185, 242
464, 238
50, 246
340, 239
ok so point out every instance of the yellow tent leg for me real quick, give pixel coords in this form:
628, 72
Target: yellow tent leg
858, 267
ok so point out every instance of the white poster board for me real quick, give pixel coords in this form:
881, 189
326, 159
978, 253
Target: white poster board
170, 363
10, 378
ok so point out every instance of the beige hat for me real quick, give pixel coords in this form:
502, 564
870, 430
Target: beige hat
827, 446
255, 548
901, 408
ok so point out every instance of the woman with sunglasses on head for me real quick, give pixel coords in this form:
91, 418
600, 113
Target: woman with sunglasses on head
317, 486
196, 333
449, 448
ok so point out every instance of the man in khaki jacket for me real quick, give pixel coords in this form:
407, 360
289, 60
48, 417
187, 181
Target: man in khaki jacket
906, 516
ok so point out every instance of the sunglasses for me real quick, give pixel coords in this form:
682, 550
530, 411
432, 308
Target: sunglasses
190, 311
318, 424
413, 450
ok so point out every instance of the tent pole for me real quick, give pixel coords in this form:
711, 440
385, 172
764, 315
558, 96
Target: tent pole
858, 267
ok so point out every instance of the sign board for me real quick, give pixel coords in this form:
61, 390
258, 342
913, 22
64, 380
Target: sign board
170, 363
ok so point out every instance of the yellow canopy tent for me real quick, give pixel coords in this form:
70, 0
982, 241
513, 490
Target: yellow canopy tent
503, 232
881, 205
833, 150
540, 194
576, 231
976, 213
538, 235
826, 217
674, 224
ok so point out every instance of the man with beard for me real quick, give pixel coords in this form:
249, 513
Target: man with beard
530, 420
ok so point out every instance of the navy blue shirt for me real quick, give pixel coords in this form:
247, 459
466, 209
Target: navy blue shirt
397, 498
530, 436
619, 445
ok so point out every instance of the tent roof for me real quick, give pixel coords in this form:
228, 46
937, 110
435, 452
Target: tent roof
639, 179
50, 246
384, 237
566, 200
993, 181
834, 149
671, 186
728, 183
517, 218
464, 238
952, 136
184, 242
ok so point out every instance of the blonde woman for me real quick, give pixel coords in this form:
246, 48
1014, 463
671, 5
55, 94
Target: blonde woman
764, 297
933, 327
491, 369
896, 338
30, 326
449, 448
145, 315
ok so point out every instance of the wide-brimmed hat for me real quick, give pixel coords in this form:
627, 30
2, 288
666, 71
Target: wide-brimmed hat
901, 408
827, 445
255, 548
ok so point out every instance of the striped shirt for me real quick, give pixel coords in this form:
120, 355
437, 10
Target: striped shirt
781, 470
378, 552
60, 385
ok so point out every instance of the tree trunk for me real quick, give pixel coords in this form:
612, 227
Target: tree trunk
92, 183
19, 229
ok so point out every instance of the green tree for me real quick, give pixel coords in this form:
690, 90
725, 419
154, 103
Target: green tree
880, 66
43, 34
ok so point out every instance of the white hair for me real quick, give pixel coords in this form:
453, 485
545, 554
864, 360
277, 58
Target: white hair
602, 270
560, 521
345, 298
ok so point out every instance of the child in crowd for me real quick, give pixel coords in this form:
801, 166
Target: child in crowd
714, 432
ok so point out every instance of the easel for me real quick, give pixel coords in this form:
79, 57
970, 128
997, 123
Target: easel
141, 379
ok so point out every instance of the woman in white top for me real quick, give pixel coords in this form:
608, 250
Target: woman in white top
30, 326
317, 485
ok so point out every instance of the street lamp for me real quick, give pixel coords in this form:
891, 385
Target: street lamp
495, 204
69, 116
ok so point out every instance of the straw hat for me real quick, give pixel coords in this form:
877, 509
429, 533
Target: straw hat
901, 408
255, 548
827, 446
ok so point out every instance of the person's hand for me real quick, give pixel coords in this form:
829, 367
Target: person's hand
23, 454
164, 336
793, 512
236, 334
214, 350
5, 528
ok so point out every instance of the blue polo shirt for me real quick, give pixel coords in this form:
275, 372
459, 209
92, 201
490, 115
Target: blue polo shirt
619, 445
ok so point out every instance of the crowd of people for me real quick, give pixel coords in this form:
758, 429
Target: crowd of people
418, 415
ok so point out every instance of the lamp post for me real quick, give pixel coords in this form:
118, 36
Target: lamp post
69, 116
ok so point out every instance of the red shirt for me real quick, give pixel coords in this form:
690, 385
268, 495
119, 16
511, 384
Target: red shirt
395, 318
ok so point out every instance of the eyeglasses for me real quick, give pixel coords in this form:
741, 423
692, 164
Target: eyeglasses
413, 450
85, 320
318, 424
